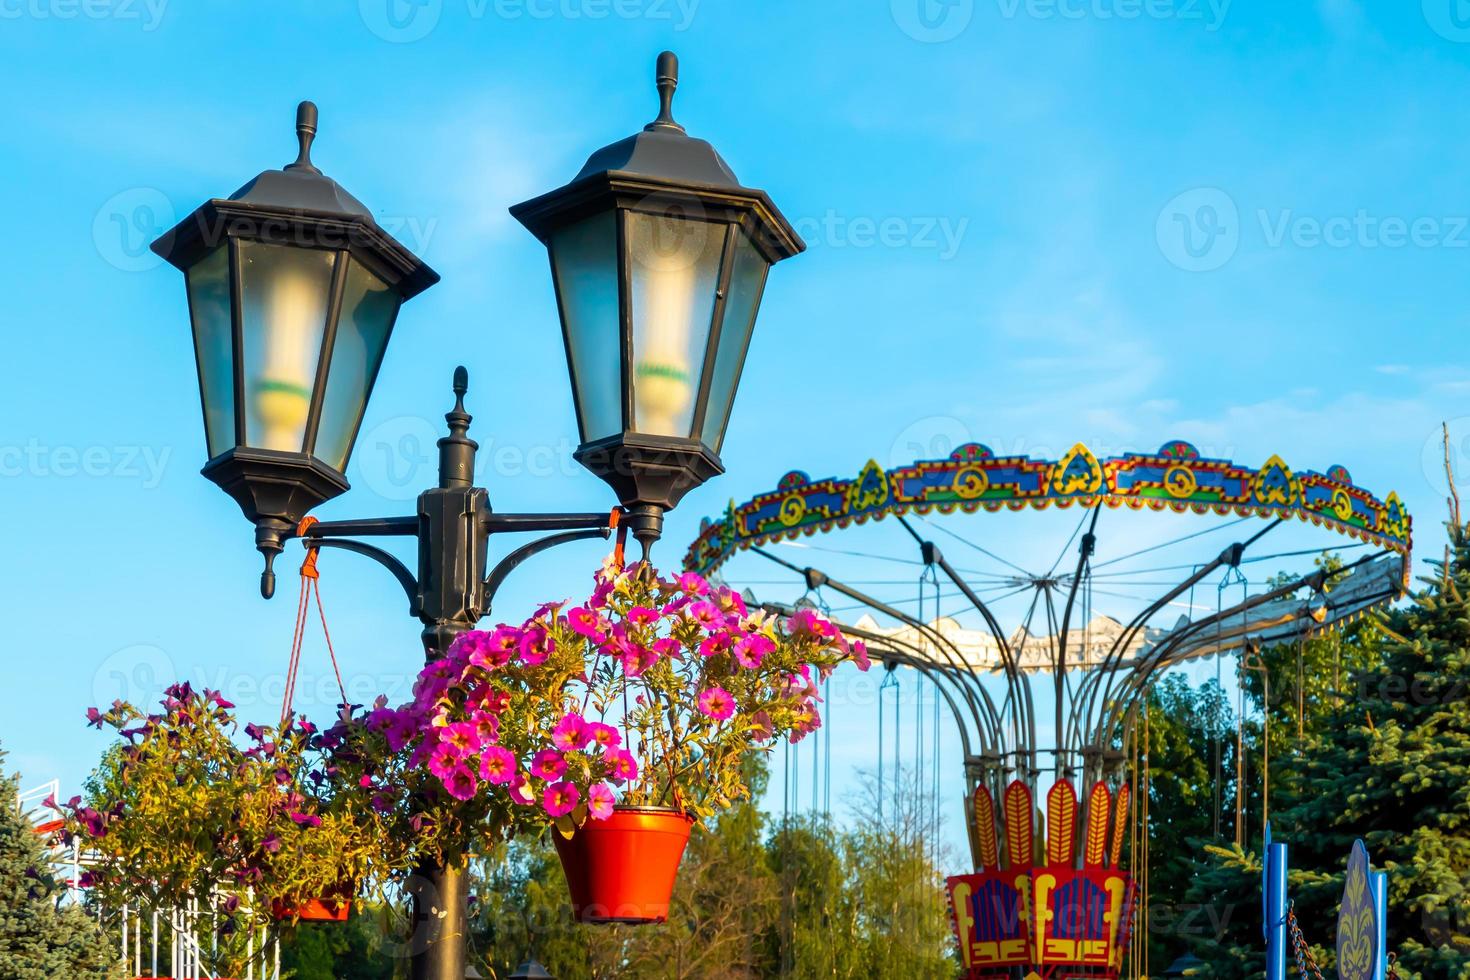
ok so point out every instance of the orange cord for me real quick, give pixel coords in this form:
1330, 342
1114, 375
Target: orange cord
615, 523
310, 588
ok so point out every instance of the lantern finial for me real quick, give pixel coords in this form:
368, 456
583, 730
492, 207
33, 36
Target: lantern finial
666, 76
305, 133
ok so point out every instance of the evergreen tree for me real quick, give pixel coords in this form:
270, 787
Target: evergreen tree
40, 939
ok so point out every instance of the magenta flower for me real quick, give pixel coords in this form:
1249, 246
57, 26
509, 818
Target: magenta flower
460, 736
751, 650
604, 735
637, 660
309, 820
691, 583
600, 801
443, 760
706, 614
487, 727
730, 602
560, 799
585, 622
860, 655
519, 789
716, 643
536, 646
548, 764
716, 702
461, 783
570, 733
763, 728
497, 765
668, 647
642, 616
621, 766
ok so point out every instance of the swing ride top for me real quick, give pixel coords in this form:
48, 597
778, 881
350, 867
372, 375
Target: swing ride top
1042, 895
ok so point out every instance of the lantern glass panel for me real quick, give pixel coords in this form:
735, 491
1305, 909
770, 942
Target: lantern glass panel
747, 282
584, 259
369, 308
285, 293
674, 270
209, 309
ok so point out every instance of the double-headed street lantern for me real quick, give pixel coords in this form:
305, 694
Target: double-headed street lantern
293, 291
659, 258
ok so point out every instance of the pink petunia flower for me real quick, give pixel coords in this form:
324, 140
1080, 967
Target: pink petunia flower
604, 735
497, 765
443, 760
460, 736
570, 733
751, 650
641, 616
585, 622
706, 614
860, 655
461, 783
716, 702
560, 799
692, 583
600, 801
637, 660
519, 789
621, 766
536, 646
715, 644
548, 764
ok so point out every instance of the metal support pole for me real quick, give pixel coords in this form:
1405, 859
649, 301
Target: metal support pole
1378, 885
1275, 925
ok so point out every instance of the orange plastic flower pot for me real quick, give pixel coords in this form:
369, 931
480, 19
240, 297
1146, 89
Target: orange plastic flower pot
622, 869
315, 910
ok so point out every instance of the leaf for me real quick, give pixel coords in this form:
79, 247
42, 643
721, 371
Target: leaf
565, 827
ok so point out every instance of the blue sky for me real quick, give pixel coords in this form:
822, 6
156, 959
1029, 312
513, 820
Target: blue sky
1031, 223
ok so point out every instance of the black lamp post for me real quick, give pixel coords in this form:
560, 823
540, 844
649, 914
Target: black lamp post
659, 259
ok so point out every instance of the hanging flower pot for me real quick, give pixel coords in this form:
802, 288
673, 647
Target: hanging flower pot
621, 869
313, 910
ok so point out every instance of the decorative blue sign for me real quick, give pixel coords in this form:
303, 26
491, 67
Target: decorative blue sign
1357, 921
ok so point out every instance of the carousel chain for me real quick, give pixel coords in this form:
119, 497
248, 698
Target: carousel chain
1306, 963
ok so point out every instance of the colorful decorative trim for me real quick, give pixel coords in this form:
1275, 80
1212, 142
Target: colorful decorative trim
973, 478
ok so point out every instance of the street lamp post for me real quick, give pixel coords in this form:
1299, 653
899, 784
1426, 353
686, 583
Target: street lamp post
659, 259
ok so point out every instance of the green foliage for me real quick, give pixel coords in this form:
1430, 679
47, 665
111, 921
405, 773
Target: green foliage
804, 899
40, 940
331, 951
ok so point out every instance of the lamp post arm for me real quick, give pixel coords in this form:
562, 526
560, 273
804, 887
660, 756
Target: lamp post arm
513, 560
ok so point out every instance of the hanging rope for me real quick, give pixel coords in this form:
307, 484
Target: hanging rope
310, 590
890, 680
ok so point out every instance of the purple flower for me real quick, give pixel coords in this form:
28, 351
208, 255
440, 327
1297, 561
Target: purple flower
461, 783
497, 765
309, 820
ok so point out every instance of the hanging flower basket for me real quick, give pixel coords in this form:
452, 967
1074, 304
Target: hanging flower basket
621, 869
313, 910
